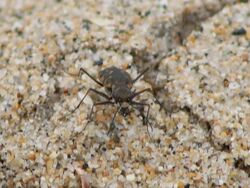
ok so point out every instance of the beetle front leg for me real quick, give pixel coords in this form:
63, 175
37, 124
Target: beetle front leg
112, 124
143, 116
98, 104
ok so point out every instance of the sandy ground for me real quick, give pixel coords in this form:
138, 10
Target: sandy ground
199, 58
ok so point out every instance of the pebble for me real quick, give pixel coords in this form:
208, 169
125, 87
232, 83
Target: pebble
130, 177
2, 73
45, 77
239, 31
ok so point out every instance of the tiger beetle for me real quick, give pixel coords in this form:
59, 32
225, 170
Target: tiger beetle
118, 86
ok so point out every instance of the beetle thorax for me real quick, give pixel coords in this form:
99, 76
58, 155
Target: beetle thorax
121, 93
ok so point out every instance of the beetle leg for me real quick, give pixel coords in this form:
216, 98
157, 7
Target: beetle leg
140, 92
147, 115
95, 91
112, 124
96, 81
140, 75
145, 90
92, 110
98, 104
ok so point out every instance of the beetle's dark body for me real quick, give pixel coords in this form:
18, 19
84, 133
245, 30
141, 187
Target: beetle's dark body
118, 84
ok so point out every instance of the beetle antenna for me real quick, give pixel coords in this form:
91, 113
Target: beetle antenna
140, 75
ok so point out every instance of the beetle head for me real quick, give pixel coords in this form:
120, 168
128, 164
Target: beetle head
124, 111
